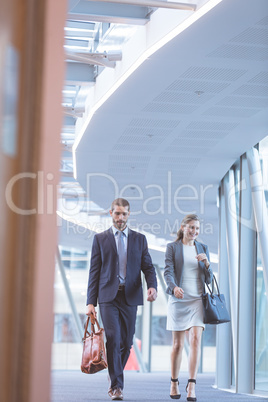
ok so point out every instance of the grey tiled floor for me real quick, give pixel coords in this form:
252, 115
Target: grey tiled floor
74, 386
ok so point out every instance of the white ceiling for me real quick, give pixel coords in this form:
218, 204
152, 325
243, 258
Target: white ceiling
178, 123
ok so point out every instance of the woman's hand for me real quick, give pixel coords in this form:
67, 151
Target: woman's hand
203, 257
178, 292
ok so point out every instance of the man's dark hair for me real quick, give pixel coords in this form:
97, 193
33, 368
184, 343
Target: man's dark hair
120, 202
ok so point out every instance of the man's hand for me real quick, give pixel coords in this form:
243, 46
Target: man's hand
90, 309
151, 294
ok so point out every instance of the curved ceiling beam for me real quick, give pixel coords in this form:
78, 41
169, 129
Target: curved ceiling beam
154, 3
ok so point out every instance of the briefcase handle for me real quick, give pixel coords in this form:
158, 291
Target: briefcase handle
93, 321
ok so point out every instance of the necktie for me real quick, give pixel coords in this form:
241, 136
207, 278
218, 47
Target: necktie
122, 255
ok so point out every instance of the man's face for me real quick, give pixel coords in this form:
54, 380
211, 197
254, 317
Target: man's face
120, 216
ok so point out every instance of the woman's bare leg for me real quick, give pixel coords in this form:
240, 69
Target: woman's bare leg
176, 358
195, 336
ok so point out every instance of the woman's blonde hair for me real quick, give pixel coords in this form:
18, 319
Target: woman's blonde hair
186, 219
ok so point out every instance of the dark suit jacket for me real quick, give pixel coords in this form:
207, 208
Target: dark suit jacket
104, 269
174, 265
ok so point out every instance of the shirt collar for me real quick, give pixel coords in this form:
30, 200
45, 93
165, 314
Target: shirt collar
115, 230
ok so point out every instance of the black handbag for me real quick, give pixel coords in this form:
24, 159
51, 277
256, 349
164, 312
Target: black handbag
214, 307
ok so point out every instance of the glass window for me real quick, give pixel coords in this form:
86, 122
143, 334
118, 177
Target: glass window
67, 345
209, 349
261, 352
74, 259
261, 347
236, 168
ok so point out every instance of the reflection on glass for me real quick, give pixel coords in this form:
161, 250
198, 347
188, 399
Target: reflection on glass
74, 259
261, 353
237, 188
261, 347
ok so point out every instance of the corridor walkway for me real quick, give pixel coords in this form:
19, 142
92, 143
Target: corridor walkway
74, 386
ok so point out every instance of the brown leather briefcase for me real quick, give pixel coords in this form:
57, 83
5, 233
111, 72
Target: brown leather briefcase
94, 354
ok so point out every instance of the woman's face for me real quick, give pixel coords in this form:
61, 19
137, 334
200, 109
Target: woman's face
191, 230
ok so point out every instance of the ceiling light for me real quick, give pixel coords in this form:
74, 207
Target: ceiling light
76, 47
78, 30
69, 92
199, 93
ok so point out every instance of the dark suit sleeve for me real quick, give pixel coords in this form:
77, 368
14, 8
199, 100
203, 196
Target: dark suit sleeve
147, 266
94, 273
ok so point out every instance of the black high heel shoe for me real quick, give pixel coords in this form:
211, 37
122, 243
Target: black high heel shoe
190, 398
178, 395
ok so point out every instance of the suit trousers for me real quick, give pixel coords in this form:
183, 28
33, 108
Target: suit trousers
119, 321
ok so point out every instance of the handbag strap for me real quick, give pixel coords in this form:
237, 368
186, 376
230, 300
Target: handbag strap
204, 289
217, 286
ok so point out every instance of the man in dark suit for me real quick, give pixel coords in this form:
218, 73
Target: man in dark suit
118, 256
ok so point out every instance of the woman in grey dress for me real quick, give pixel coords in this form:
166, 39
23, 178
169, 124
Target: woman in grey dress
187, 270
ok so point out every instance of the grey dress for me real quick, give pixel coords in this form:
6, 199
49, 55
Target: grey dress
183, 270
